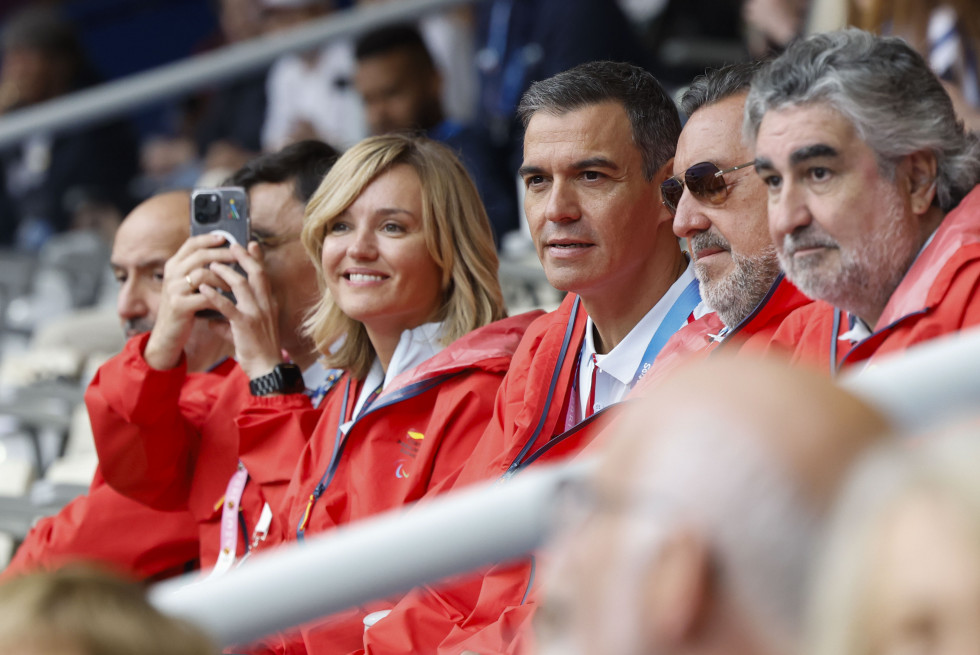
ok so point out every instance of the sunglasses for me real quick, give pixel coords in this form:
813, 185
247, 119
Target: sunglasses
704, 180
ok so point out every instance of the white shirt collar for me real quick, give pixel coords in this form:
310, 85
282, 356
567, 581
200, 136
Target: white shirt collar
858, 332
617, 368
414, 347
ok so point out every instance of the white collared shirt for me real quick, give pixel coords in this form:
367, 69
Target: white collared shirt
414, 347
618, 367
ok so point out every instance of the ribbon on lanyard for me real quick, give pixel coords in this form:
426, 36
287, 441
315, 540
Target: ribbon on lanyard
229, 521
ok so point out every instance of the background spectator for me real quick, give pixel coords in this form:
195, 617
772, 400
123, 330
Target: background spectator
310, 95
945, 32
401, 88
43, 59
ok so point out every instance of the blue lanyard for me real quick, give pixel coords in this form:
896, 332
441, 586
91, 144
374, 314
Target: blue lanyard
674, 320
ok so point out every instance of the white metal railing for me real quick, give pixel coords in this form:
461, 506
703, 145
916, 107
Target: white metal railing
377, 557
140, 90
495, 522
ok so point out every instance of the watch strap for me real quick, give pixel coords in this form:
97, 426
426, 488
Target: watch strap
284, 378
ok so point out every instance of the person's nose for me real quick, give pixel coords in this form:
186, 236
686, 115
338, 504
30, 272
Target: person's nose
788, 211
689, 218
562, 203
363, 245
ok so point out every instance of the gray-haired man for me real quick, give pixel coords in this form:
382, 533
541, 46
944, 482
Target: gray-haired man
873, 204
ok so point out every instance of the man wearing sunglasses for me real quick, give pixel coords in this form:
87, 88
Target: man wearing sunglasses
719, 206
872, 184
598, 143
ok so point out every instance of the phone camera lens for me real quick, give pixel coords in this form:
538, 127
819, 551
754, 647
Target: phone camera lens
207, 208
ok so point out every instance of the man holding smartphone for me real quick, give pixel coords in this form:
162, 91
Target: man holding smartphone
175, 450
145, 543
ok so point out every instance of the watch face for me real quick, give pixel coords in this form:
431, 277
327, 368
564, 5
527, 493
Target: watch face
284, 378
291, 378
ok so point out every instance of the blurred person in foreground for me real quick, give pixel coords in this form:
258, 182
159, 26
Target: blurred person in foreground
696, 532
80, 611
873, 192
42, 59
402, 90
901, 569
104, 525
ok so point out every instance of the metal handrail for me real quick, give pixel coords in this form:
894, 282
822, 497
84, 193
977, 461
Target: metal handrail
112, 99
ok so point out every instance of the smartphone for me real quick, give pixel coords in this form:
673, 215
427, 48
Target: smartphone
223, 210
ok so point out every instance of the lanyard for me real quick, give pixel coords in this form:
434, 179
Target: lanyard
319, 489
674, 319
685, 304
229, 521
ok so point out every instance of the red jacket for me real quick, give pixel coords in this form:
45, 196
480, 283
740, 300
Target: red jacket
761, 332
528, 426
490, 614
106, 527
418, 432
939, 294
168, 439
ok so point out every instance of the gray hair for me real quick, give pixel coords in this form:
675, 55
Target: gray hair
718, 84
886, 90
651, 111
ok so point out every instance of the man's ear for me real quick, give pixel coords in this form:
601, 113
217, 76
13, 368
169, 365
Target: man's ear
665, 171
678, 594
921, 180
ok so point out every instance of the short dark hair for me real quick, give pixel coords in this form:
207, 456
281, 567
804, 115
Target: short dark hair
305, 163
718, 84
390, 38
651, 111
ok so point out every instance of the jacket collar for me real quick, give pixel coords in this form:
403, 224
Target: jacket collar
956, 241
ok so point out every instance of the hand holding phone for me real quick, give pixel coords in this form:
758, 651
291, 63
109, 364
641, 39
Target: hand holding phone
223, 211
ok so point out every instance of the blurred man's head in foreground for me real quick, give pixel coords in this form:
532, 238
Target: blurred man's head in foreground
696, 533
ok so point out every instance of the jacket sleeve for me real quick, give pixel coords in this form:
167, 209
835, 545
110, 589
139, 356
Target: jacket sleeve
146, 424
273, 432
106, 527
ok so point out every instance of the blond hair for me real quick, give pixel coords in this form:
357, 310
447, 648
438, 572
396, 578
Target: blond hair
86, 611
457, 236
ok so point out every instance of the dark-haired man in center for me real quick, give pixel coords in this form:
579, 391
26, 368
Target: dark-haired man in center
598, 143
